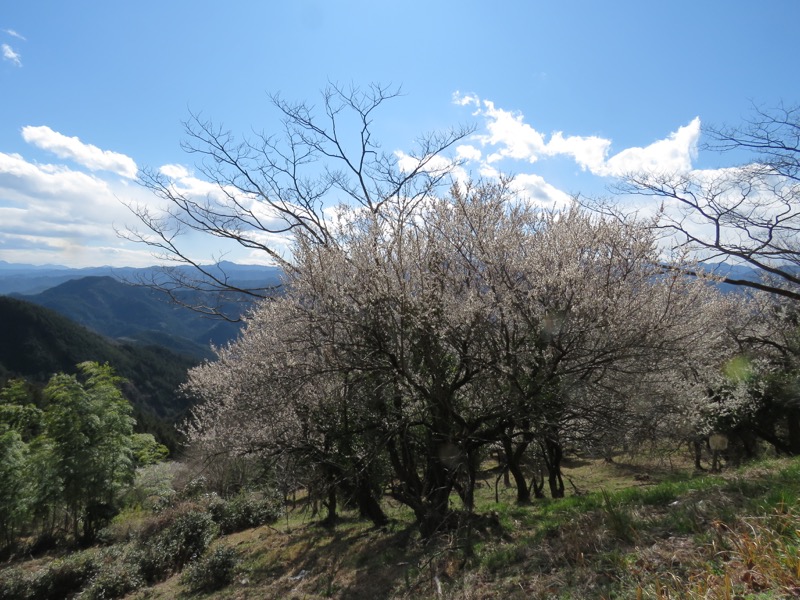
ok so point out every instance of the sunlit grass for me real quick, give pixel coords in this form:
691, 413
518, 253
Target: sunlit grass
671, 534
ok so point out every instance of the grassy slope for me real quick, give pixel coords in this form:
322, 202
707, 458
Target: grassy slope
645, 532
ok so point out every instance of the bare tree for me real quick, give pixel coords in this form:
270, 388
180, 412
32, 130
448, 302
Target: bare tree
265, 187
749, 214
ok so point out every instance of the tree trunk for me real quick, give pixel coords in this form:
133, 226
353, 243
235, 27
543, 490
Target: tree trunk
793, 430
537, 485
330, 504
553, 454
368, 505
514, 457
698, 453
523, 491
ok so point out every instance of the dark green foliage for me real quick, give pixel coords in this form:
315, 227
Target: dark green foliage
118, 576
14, 584
188, 536
90, 430
212, 572
146, 450
174, 539
62, 469
13, 455
38, 342
244, 511
60, 579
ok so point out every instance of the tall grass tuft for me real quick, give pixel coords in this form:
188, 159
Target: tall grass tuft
618, 518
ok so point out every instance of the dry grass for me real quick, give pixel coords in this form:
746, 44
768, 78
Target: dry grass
654, 532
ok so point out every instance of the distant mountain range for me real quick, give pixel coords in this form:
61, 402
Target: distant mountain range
52, 318
105, 300
32, 279
130, 313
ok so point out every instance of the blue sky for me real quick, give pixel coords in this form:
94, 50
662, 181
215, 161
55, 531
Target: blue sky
92, 91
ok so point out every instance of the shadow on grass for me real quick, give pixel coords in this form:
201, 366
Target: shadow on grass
351, 560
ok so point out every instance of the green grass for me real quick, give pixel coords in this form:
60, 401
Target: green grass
670, 535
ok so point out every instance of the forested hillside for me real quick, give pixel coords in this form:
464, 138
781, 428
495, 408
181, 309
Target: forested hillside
139, 314
38, 342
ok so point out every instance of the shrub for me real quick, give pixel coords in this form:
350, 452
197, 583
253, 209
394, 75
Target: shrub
244, 511
60, 579
195, 487
189, 536
119, 575
152, 561
212, 572
13, 584
174, 540
152, 488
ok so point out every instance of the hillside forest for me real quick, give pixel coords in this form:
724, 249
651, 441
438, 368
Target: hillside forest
432, 333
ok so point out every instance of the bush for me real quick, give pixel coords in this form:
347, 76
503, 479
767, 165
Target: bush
60, 579
152, 561
189, 536
152, 488
194, 488
119, 575
174, 540
212, 572
244, 511
13, 584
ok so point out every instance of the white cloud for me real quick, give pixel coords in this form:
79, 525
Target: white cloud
468, 152
174, 171
432, 164
45, 181
509, 137
508, 131
487, 171
55, 196
465, 99
13, 33
540, 193
11, 55
673, 154
515, 139
50, 213
66, 214
182, 182
589, 152
73, 148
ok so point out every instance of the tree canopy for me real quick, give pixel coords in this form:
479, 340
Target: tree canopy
417, 338
66, 463
427, 320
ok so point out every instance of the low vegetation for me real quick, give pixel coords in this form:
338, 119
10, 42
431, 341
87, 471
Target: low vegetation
674, 533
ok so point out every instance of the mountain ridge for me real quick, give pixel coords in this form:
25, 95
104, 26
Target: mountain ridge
38, 342
33, 279
116, 303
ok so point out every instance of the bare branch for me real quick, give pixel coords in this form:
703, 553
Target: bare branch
261, 191
748, 214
